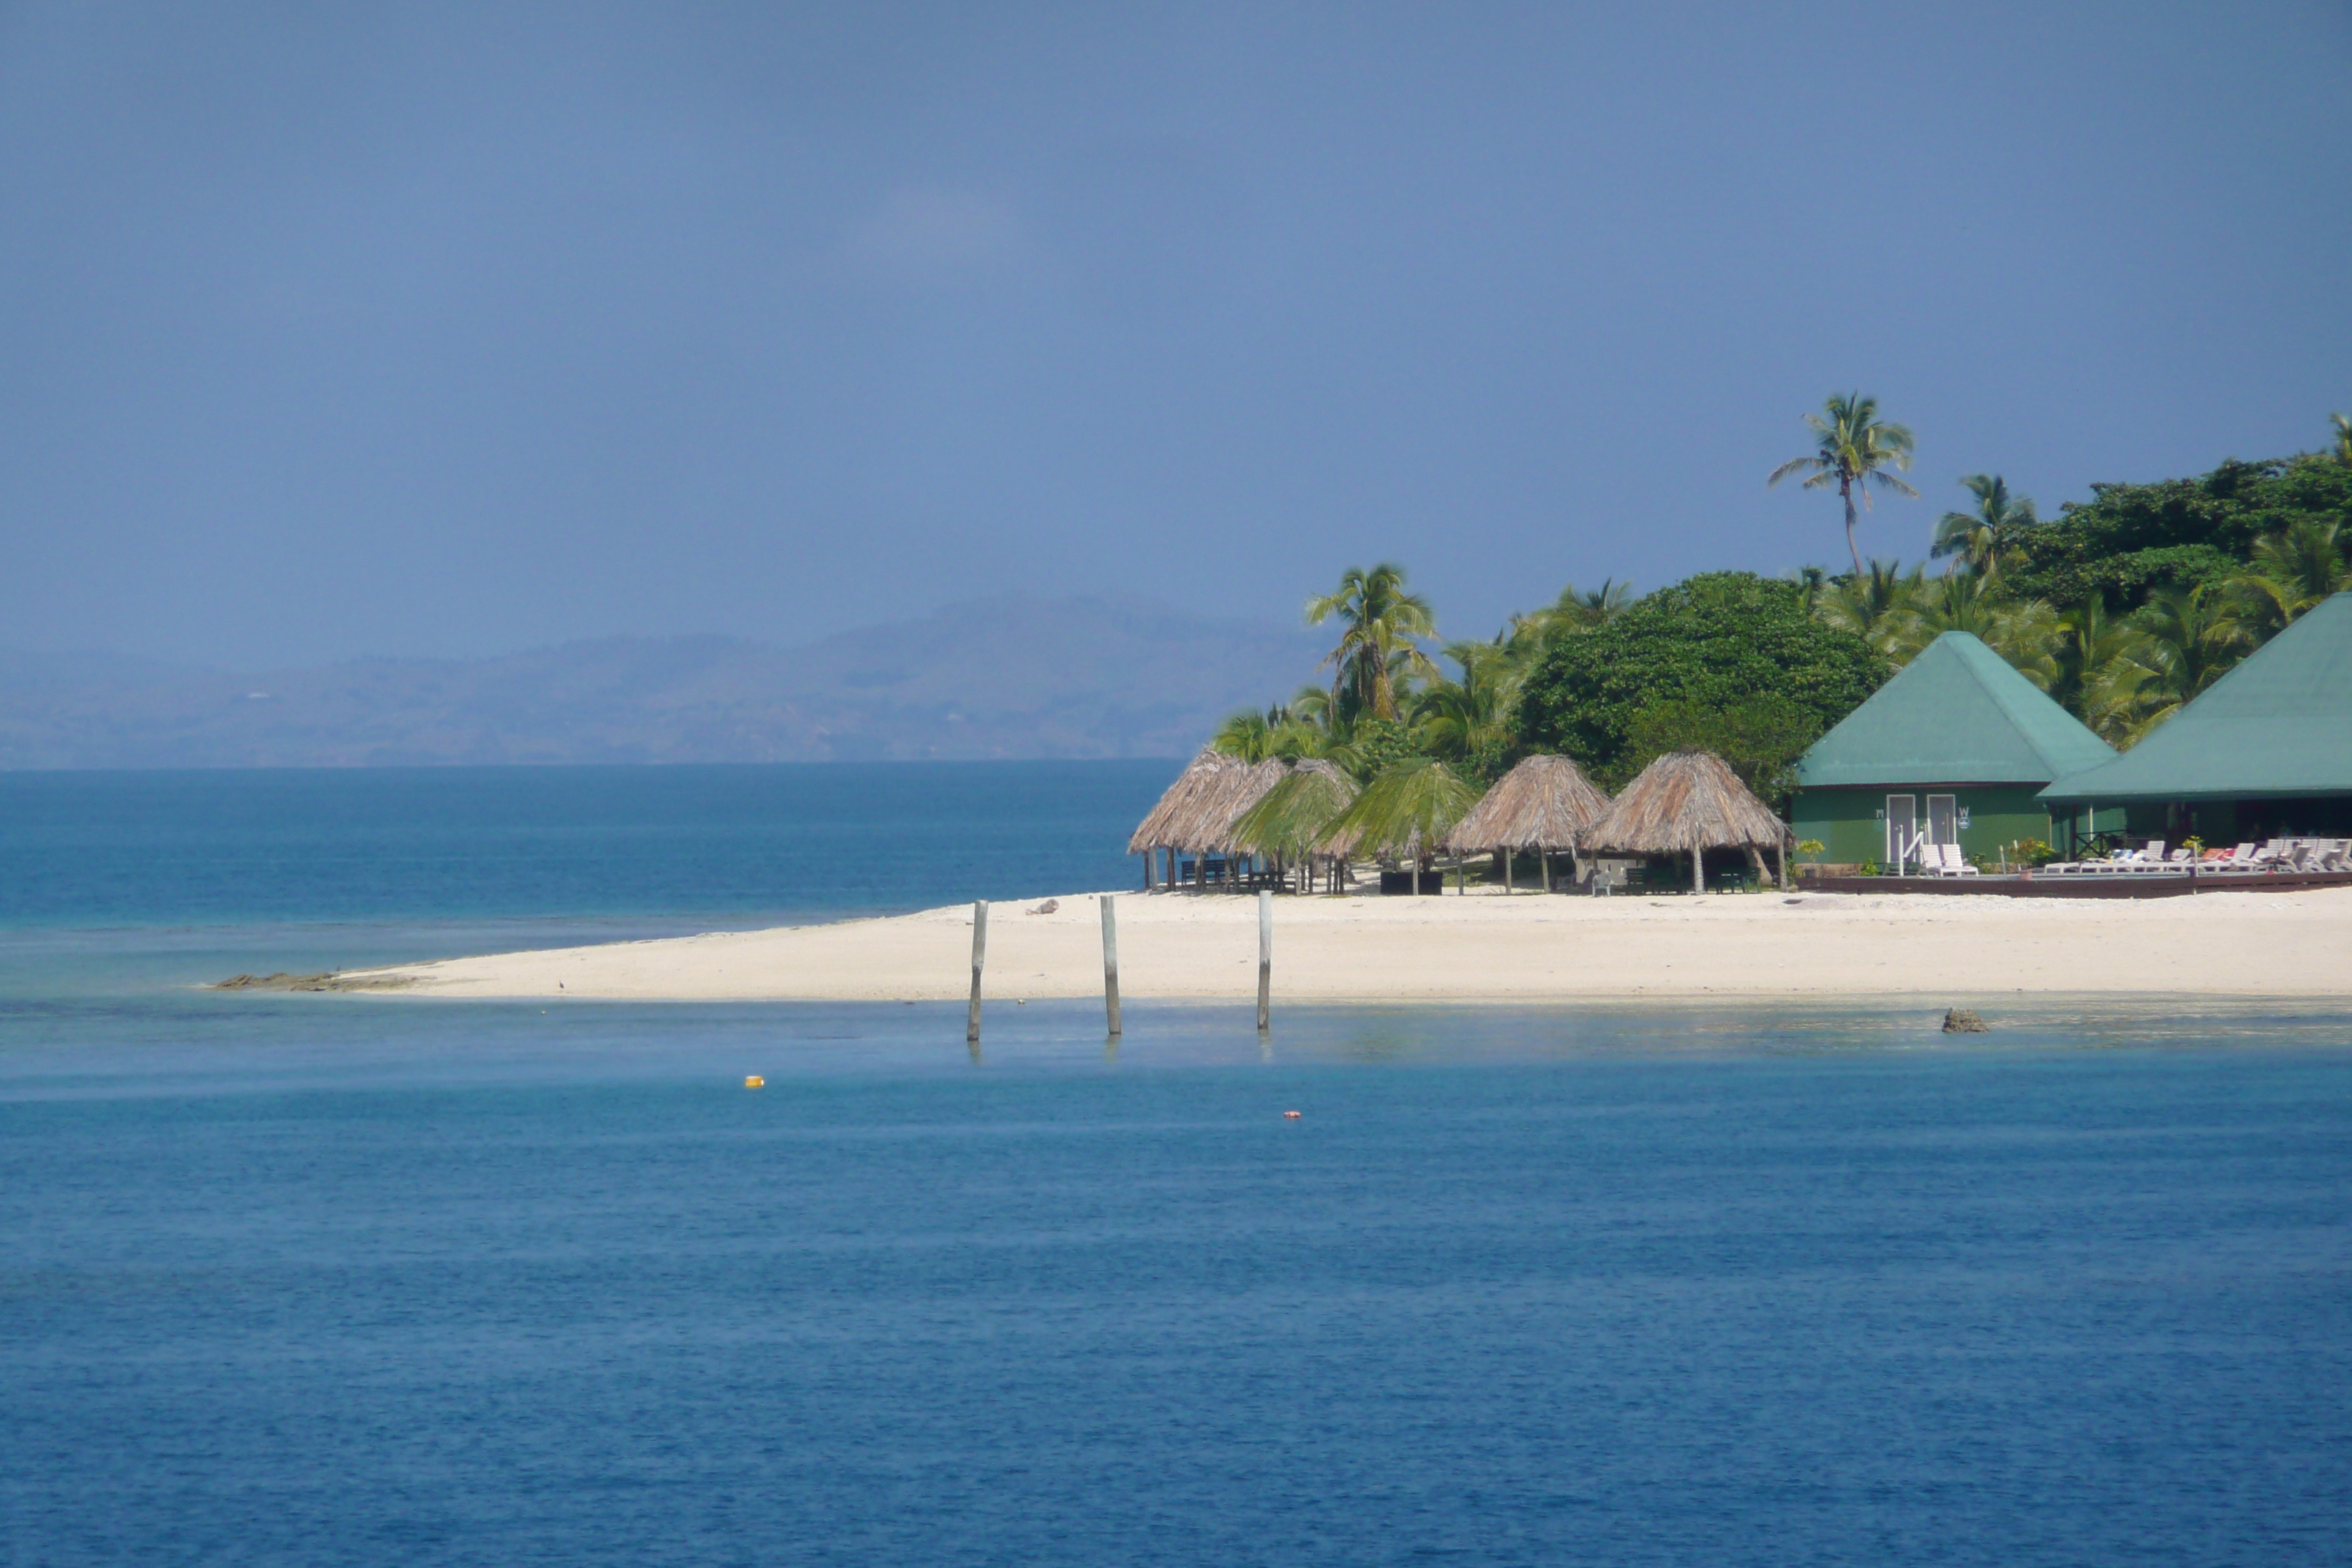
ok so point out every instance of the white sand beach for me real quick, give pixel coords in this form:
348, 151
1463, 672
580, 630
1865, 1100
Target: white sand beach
1482, 948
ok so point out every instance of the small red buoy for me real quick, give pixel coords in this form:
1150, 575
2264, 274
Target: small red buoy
1290, 1116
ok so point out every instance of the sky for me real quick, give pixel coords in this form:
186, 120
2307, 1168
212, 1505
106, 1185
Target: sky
329, 330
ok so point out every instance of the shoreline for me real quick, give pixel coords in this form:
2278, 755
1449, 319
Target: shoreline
1484, 949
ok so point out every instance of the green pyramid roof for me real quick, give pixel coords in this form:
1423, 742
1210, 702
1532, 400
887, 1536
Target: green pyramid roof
2279, 724
1957, 715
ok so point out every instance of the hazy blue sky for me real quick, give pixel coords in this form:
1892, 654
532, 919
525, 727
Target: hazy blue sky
417, 330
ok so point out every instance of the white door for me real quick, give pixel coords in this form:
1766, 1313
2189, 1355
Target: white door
1943, 819
1902, 822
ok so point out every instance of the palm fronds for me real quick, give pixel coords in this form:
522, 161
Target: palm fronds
1289, 819
1983, 539
1403, 814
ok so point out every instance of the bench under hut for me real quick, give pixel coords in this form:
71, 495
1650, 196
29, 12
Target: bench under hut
1539, 807
1687, 803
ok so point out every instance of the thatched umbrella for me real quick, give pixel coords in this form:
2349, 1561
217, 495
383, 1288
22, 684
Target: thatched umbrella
1686, 802
1240, 788
1196, 813
1541, 805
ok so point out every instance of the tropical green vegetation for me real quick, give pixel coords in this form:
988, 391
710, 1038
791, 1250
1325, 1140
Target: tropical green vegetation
2124, 607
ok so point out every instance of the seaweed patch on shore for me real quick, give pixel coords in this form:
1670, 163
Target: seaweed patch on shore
327, 981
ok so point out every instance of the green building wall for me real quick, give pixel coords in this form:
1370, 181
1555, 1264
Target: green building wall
1851, 822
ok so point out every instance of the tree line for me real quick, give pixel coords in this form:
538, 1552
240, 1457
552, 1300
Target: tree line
2124, 608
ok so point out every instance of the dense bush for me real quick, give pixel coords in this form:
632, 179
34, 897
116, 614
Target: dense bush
1761, 737
1727, 650
2130, 541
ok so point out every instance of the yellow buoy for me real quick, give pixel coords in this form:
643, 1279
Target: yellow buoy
755, 1081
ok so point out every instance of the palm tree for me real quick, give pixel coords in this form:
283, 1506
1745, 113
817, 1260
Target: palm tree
2343, 439
2096, 682
2295, 569
1459, 719
2024, 634
2186, 639
1530, 633
1853, 450
1984, 538
1403, 813
1379, 621
1872, 605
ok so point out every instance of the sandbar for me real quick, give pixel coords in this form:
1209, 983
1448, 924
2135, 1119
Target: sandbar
1485, 947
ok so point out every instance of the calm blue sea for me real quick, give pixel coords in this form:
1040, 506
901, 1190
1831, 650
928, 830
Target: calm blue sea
335, 1279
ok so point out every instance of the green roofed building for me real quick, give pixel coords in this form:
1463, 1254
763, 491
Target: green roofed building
2265, 752
1957, 746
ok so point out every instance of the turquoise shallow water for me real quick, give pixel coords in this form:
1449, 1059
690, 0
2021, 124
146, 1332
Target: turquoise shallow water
351, 1279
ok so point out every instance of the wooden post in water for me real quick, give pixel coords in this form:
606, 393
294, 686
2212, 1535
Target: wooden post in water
978, 960
1110, 964
1264, 959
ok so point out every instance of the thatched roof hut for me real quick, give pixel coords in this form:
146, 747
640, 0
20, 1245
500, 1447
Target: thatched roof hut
1684, 804
1241, 787
1196, 813
1169, 823
1543, 804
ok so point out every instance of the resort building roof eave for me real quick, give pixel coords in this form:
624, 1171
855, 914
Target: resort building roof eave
2278, 726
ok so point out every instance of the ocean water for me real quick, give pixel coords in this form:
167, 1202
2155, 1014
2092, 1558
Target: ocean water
337, 1279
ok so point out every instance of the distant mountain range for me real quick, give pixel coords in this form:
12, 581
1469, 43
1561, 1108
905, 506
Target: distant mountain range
1013, 676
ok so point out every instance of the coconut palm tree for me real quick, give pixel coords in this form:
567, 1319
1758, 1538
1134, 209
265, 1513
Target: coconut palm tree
1872, 605
1574, 610
1403, 813
2025, 634
2186, 639
1983, 539
1377, 622
2096, 682
2295, 569
1853, 449
1463, 718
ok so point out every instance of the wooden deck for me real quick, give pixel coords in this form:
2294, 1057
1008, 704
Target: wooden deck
2094, 885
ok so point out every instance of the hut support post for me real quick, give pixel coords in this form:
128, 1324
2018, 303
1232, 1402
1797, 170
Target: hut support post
1504, 855
978, 959
1546, 856
1780, 859
1110, 964
1698, 870
1264, 959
